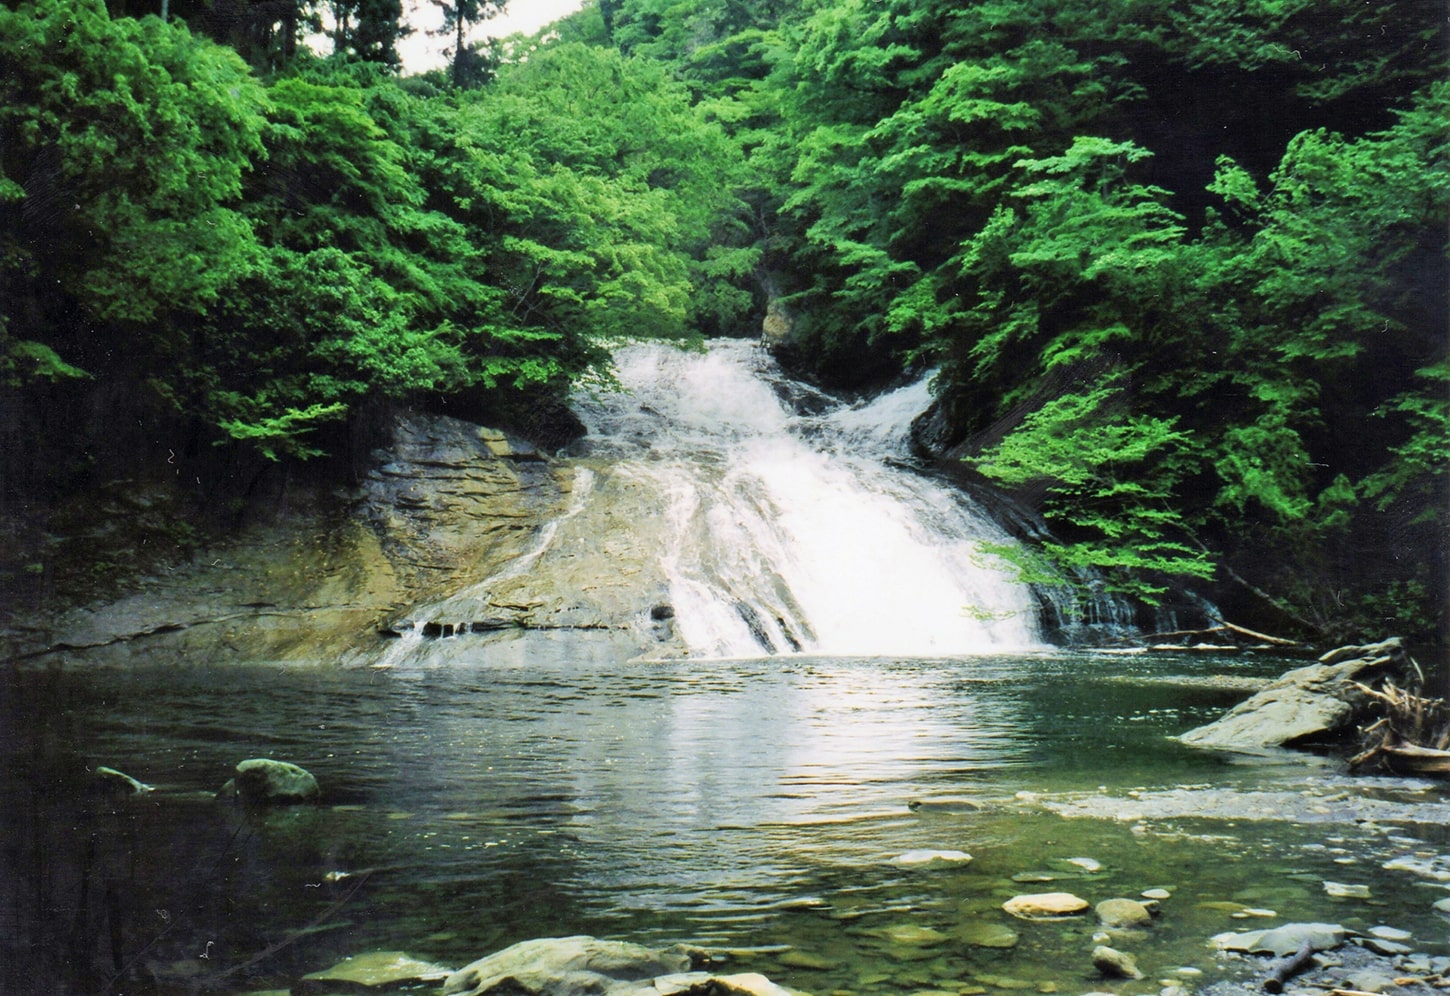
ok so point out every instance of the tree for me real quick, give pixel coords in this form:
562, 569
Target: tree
469, 67
368, 29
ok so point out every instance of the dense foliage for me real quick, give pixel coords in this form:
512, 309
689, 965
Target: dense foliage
1181, 268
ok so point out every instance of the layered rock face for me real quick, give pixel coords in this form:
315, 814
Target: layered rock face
445, 503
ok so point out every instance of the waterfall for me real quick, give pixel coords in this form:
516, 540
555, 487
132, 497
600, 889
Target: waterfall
791, 522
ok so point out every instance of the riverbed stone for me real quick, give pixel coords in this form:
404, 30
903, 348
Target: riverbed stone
579, 965
265, 782
1284, 940
1123, 913
1045, 906
986, 934
1115, 964
376, 969
117, 784
927, 858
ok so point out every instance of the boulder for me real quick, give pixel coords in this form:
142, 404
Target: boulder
1045, 906
261, 781
1123, 913
1305, 704
575, 966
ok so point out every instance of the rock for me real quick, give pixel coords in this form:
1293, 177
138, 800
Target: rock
1115, 964
376, 969
1389, 932
1442, 906
1436, 869
1341, 890
795, 958
117, 784
1383, 947
1045, 906
1285, 940
261, 781
1123, 913
913, 935
1305, 704
985, 934
1089, 865
574, 966
1157, 894
918, 859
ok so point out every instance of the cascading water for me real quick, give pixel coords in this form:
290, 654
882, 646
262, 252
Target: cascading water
789, 524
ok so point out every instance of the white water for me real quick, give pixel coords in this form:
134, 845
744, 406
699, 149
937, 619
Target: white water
802, 532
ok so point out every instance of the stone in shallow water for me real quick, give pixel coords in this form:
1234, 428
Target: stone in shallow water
1123, 913
1115, 964
1045, 905
1385, 933
381, 968
804, 959
985, 934
1284, 940
1344, 890
923, 858
1157, 894
910, 933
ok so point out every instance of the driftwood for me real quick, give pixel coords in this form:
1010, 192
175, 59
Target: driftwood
1412, 736
1286, 968
1224, 628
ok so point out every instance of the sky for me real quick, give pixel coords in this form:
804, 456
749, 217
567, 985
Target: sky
422, 51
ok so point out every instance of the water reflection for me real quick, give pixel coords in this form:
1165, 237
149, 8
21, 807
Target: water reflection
529, 792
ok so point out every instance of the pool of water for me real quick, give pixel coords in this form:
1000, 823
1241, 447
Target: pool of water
752, 807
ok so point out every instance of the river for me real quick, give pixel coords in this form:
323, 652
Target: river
483, 790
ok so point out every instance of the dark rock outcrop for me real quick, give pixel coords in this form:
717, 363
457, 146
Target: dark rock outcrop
261, 781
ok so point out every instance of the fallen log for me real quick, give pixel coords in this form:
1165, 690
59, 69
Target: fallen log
1284, 969
1225, 628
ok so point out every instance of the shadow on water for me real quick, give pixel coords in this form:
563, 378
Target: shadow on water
754, 806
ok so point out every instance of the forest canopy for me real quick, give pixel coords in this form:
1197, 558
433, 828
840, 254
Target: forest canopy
1180, 270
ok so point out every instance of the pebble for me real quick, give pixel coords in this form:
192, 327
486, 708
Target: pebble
1342, 890
1089, 865
1158, 894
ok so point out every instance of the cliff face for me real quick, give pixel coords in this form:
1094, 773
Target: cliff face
446, 503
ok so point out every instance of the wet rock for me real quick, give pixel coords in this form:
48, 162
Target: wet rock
1442, 906
1115, 964
985, 934
574, 966
374, 969
1285, 940
1343, 890
1305, 704
923, 858
1385, 933
261, 781
1045, 906
912, 935
806, 960
1090, 865
1158, 895
1435, 868
1123, 913
117, 784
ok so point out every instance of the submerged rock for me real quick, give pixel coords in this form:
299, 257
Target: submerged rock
985, 934
575, 966
921, 859
375, 969
1045, 906
117, 784
261, 781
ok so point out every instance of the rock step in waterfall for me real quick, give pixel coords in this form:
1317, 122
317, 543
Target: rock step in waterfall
721, 509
